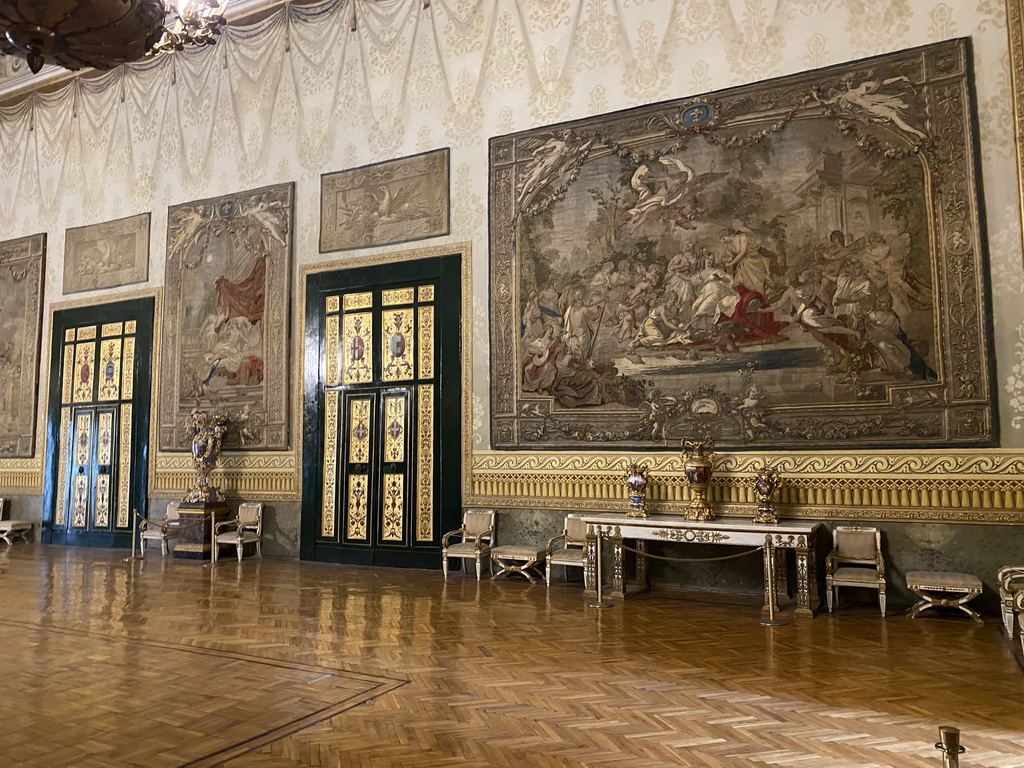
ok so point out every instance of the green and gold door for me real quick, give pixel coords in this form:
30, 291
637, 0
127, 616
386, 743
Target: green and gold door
386, 478
98, 423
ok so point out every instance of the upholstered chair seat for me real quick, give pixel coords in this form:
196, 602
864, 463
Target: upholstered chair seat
856, 561
568, 549
1011, 583
161, 529
473, 541
245, 528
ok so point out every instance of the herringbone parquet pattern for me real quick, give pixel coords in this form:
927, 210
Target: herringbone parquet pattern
279, 663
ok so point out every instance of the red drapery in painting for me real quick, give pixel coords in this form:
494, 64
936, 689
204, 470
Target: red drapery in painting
246, 297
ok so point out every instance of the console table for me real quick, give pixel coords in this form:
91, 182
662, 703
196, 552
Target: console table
801, 537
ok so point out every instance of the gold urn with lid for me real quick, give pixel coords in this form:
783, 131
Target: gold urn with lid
698, 465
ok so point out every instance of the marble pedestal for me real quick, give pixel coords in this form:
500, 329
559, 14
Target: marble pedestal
197, 520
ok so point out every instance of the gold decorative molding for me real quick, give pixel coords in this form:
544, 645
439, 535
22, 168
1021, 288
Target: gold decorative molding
21, 477
264, 476
465, 251
974, 487
1015, 32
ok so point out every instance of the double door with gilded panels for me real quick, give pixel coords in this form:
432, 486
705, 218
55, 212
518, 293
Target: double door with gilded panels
98, 418
386, 478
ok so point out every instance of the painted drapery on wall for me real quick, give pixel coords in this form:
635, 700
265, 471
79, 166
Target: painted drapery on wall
22, 266
225, 345
792, 263
107, 255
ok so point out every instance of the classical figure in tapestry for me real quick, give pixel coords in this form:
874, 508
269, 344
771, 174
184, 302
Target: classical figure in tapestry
22, 267
767, 265
226, 317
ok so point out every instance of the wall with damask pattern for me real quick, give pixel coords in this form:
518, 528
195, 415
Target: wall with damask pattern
304, 93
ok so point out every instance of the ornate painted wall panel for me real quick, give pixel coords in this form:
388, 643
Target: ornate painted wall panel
384, 203
107, 255
226, 317
796, 262
22, 267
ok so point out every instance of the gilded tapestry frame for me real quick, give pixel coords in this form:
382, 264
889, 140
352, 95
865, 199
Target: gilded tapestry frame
226, 321
22, 271
107, 255
911, 111
386, 203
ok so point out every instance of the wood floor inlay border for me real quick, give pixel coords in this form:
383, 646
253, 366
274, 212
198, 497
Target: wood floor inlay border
350, 689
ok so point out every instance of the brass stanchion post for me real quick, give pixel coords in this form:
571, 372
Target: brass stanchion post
769, 586
135, 537
949, 746
600, 602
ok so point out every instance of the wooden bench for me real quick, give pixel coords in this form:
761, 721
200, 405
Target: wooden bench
12, 529
940, 589
518, 558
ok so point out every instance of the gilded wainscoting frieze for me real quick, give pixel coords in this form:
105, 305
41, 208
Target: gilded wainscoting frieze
979, 487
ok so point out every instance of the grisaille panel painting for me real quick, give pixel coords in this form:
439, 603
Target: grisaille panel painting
107, 255
793, 263
22, 267
225, 329
391, 202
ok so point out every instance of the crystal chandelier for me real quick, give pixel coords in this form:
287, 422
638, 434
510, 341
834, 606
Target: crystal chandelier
103, 34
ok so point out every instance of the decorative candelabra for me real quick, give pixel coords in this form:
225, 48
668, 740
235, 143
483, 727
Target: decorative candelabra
636, 485
697, 469
766, 481
207, 435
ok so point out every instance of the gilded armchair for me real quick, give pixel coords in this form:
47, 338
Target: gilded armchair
856, 561
569, 548
1018, 605
1011, 583
161, 529
474, 540
245, 528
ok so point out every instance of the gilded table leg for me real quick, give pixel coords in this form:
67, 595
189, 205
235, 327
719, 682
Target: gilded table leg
781, 576
618, 578
590, 563
771, 604
803, 580
641, 563
812, 572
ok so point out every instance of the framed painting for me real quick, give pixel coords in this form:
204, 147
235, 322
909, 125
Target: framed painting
385, 203
107, 255
225, 327
794, 263
22, 267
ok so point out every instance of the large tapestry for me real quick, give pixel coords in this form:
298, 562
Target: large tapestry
385, 203
107, 255
225, 329
793, 263
22, 267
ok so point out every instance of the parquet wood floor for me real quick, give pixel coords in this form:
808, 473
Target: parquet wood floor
287, 664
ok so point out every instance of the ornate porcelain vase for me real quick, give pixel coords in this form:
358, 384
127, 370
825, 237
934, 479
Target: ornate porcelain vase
765, 482
697, 469
206, 440
636, 487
